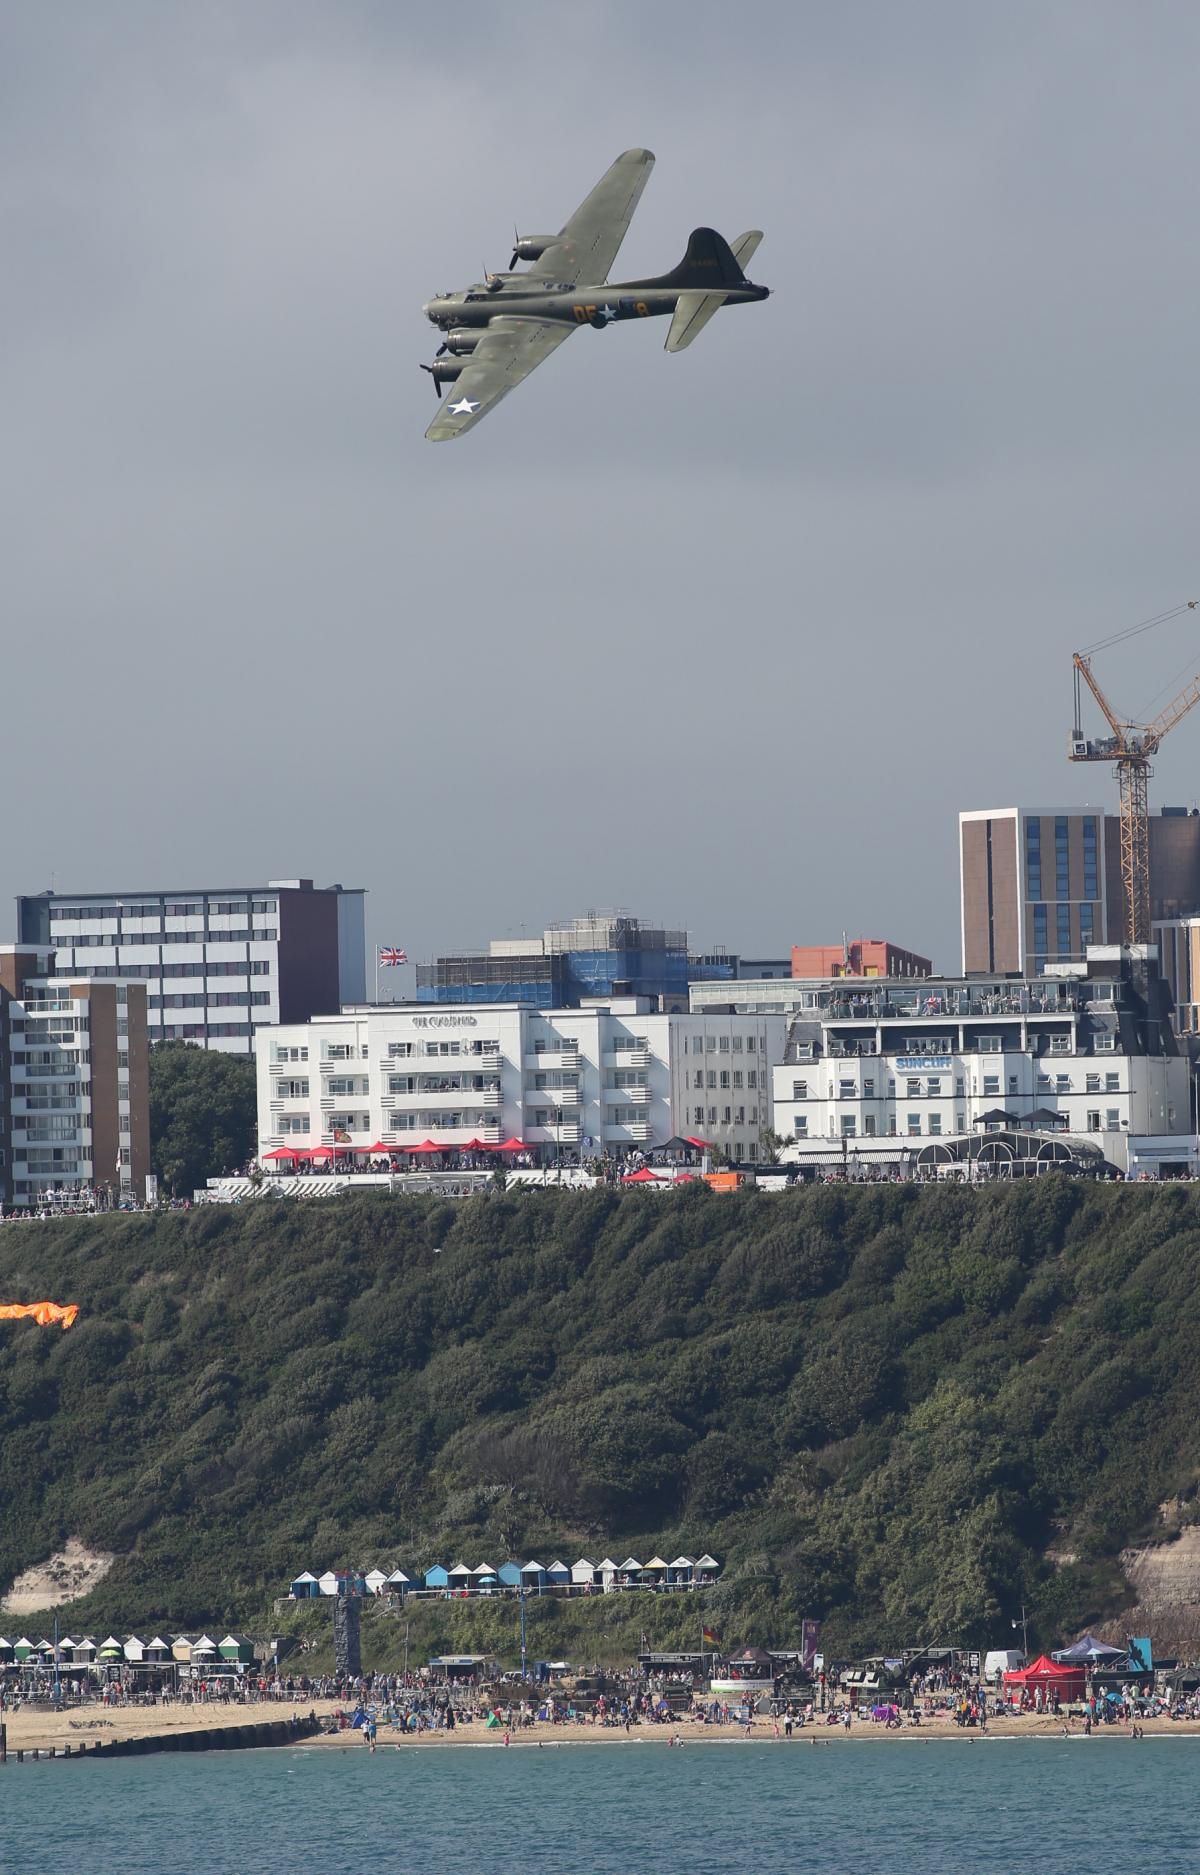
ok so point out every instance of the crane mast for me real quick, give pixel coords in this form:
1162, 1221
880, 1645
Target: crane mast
1129, 748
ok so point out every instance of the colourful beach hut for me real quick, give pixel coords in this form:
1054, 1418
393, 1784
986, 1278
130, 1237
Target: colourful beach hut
460, 1577
583, 1573
438, 1577
533, 1576
398, 1583
631, 1570
237, 1647
304, 1586
682, 1570
204, 1651
484, 1577
510, 1575
6, 1652
181, 1649
22, 1649
558, 1576
707, 1568
111, 1651
83, 1651
157, 1651
656, 1571
376, 1581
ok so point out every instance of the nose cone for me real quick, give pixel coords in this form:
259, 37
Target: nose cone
430, 309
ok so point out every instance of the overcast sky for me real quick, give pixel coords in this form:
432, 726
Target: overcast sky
726, 638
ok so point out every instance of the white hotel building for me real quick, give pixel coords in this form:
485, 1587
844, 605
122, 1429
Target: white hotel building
1085, 1051
612, 1078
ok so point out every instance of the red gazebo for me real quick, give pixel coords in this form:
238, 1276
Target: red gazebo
512, 1145
1051, 1675
286, 1152
644, 1177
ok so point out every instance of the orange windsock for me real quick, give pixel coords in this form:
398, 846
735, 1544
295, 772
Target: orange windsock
44, 1313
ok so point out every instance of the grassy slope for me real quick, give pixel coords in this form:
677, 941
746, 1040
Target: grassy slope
881, 1406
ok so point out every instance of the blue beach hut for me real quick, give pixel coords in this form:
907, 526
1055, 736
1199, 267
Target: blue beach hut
438, 1577
558, 1576
304, 1586
533, 1576
510, 1575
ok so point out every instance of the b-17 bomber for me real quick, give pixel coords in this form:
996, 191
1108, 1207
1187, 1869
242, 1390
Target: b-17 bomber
498, 331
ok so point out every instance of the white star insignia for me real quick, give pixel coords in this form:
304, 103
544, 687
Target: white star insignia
463, 407
608, 313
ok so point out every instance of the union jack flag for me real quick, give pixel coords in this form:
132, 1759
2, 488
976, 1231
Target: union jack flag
388, 954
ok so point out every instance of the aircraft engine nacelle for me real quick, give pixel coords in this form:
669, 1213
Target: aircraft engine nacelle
531, 246
462, 339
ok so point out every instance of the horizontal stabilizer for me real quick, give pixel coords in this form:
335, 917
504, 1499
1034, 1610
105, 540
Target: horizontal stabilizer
692, 313
746, 247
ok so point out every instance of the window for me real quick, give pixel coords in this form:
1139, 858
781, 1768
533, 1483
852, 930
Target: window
1106, 1044
799, 1090
750, 1044
724, 1078
990, 1045
869, 1126
1062, 864
991, 1083
399, 1050
1063, 931
960, 1122
293, 1122
1060, 1044
849, 1126
1091, 1084
1033, 858
697, 1116
751, 1077
914, 1123
722, 1044
710, 1044
727, 1116
401, 1122
737, 1077
1013, 1083
960, 1085
1093, 1121
934, 1084
711, 1077
913, 1089
1087, 927
740, 1116
846, 1090
869, 1086
1090, 886
1062, 1083
935, 1122
1112, 1083
1112, 1119
1041, 943
293, 1090
737, 1044
698, 1078
801, 1125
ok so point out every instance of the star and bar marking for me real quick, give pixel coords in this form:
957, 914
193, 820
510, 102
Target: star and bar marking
464, 407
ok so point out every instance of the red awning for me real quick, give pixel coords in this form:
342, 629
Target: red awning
644, 1177
426, 1145
703, 1145
511, 1145
477, 1145
284, 1152
323, 1152
378, 1147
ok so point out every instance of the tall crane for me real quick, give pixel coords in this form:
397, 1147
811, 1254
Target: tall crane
1130, 747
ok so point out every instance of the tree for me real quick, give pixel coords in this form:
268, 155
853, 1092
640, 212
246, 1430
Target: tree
203, 1114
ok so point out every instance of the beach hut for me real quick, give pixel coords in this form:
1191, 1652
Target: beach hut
656, 1571
558, 1576
398, 1583
6, 1652
110, 1651
328, 1583
83, 1651
460, 1578
376, 1581
22, 1650
236, 1647
510, 1575
181, 1649
583, 1573
707, 1568
533, 1576
631, 1572
681, 1570
157, 1652
438, 1577
135, 1649
484, 1579
204, 1651
607, 1572
304, 1586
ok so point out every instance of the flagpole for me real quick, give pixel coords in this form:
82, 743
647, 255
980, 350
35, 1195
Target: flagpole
376, 973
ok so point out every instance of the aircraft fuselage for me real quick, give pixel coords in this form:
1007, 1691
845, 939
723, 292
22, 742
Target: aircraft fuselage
572, 305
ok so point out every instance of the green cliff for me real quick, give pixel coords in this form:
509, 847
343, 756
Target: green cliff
901, 1410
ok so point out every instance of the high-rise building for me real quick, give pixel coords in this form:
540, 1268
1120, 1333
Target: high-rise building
217, 963
1038, 887
602, 954
74, 1086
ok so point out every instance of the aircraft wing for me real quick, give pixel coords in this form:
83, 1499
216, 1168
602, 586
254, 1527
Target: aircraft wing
508, 351
587, 246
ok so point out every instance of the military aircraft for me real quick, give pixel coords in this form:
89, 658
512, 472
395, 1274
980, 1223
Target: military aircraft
497, 331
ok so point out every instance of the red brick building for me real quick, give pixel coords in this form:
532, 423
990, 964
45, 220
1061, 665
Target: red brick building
858, 957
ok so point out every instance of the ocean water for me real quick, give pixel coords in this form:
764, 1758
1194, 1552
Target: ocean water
917, 1806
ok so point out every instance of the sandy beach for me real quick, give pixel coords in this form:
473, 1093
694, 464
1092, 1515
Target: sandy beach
38, 1729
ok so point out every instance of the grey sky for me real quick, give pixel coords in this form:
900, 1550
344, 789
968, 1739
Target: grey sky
726, 638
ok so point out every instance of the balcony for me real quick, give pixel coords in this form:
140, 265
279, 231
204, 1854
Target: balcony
627, 1058
439, 1095
552, 1096
553, 1061
565, 1133
627, 1096
638, 1130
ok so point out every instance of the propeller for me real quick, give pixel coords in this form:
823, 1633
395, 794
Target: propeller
437, 382
516, 244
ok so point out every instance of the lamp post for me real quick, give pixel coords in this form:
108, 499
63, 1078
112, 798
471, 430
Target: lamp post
521, 1593
1024, 1627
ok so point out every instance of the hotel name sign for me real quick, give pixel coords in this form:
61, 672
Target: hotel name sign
445, 1022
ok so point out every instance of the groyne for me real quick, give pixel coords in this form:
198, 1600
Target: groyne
206, 1738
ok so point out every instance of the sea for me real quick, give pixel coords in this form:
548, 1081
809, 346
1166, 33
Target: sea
920, 1806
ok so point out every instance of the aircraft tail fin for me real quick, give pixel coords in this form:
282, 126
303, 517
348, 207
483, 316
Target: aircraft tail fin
746, 247
709, 263
692, 313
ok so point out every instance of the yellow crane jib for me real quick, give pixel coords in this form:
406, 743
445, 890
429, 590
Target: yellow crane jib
1129, 749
